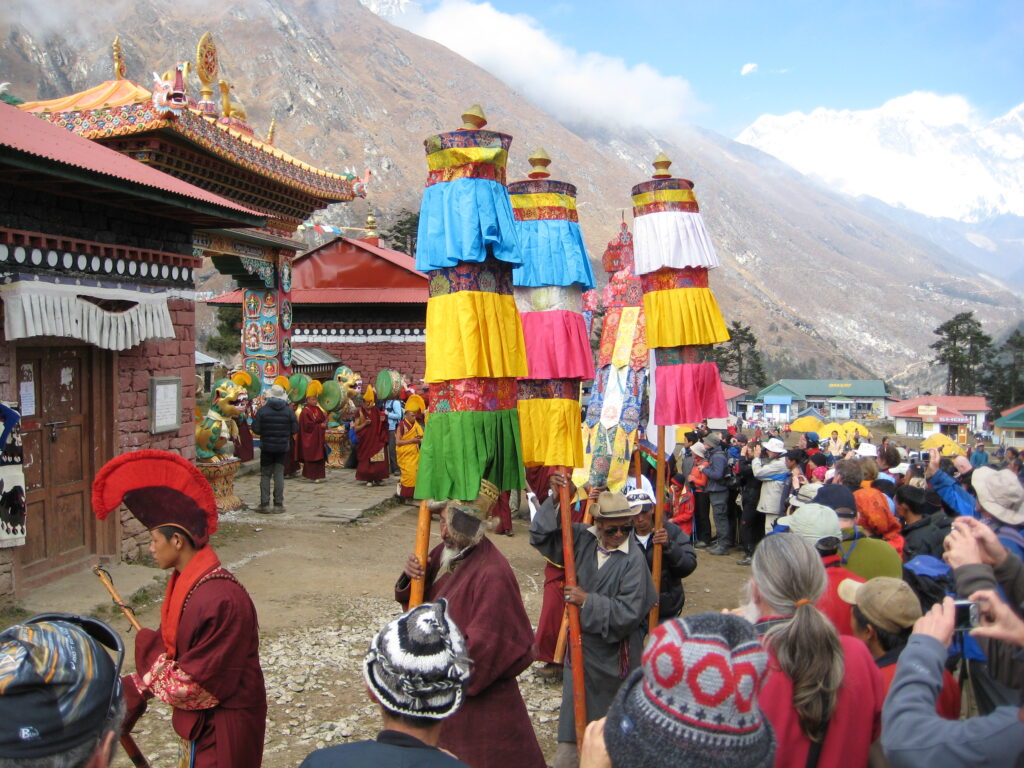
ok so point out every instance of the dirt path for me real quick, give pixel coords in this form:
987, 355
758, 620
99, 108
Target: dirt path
323, 588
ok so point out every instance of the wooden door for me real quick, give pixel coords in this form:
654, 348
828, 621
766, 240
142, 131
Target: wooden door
58, 438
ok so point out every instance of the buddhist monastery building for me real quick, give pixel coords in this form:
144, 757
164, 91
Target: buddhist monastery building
113, 198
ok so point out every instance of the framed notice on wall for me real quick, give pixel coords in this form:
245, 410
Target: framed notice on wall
164, 404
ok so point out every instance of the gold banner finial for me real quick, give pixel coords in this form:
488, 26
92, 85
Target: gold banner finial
473, 118
661, 164
206, 66
120, 70
371, 224
539, 162
270, 132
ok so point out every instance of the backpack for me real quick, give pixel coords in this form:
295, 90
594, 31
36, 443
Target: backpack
697, 478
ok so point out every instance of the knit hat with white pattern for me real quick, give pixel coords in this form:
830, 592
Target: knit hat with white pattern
417, 665
693, 702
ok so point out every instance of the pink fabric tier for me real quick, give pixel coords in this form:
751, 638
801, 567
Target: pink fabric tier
688, 393
557, 345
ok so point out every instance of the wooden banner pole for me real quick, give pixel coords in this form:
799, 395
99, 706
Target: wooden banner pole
659, 523
418, 586
579, 688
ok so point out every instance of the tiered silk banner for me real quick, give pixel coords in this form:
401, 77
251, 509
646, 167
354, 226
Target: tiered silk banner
673, 257
549, 288
475, 348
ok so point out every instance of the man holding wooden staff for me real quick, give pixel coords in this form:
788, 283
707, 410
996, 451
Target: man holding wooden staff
492, 729
614, 593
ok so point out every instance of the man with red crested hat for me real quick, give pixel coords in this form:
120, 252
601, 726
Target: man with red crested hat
203, 660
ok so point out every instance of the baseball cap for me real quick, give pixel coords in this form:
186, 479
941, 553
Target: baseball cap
58, 685
417, 664
886, 602
805, 494
838, 497
867, 451
639, 497
814, 522
775, 445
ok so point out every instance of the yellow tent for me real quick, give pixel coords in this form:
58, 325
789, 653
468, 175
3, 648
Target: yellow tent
953, 449
938, 440
806, 424
853, 427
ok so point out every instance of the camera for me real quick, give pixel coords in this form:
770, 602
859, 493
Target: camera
967, 615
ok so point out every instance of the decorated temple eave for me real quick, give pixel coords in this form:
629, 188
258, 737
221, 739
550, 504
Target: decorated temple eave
228, 144
258, 237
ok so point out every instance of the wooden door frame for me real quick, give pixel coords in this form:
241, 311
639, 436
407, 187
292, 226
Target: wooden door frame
100, 365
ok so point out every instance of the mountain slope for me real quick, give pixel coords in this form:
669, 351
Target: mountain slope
819, 278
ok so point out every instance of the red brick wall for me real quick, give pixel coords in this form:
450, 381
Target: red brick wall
170, 357
369, 359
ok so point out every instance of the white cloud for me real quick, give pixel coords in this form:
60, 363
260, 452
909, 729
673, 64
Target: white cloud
932, 154
748, 69
574, 86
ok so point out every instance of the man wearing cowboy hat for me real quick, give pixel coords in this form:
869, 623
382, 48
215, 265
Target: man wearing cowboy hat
614, 593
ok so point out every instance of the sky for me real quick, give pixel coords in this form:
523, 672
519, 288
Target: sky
723, 63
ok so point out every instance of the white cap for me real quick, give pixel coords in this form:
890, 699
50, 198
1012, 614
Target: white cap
775, 445
638, 497
867, 451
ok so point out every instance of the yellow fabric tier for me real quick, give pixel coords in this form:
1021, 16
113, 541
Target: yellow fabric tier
473, 334
683, 317
550, 429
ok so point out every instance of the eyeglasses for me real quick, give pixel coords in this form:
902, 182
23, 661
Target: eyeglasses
614, 530
103, 634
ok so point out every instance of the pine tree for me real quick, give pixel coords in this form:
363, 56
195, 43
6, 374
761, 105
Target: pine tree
965, 349
227, 341
739, 360
1004, 375
401, 236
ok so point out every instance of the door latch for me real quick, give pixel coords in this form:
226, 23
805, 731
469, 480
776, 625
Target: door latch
53, 429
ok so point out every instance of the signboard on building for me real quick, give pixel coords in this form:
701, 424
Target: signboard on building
927, 410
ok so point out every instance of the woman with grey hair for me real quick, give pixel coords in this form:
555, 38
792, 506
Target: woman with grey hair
823, 693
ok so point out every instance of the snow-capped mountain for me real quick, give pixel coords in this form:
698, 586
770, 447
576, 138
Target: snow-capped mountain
923, 152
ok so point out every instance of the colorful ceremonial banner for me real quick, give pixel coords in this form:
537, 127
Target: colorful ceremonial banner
673, 256
468, 246
616, 406
549, 294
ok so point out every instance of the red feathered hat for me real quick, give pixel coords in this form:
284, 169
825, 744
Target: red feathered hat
159, 488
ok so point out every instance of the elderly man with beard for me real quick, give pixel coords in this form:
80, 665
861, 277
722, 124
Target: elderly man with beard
614, 592
492, 729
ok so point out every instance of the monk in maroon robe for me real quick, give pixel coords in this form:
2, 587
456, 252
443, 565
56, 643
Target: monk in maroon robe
243, 443
312, 440
492, 729
204, 659
371, 428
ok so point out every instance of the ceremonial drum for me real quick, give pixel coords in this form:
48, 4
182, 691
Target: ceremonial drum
389, 384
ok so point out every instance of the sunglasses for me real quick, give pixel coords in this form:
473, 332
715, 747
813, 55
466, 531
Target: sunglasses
102, 634
613, 530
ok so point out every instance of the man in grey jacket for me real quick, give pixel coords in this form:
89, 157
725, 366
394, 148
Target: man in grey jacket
718, 493
770, 468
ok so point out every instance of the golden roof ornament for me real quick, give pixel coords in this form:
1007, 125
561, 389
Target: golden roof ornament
661, 164
539, 162
473, 118
270, 132
120, 70
207, 67
371, 225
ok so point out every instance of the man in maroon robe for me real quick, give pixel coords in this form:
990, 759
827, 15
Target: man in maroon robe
312, 439
204, 658
371, 428
492, 729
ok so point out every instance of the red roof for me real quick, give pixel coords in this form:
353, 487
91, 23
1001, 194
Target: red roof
1011, 409
949, 402
25, 132
348, 271
730, 391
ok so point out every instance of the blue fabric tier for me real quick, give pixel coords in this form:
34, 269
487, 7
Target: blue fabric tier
553, 254
466, 220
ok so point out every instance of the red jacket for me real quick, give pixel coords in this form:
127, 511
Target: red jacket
855, 723
830, 603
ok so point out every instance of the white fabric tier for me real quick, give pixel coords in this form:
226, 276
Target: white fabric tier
674, 239
46, 309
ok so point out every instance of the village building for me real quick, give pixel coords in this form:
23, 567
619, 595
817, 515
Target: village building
358, 304
949, 414
100, 242
1008, 429
833, 399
